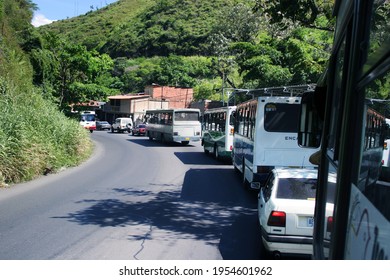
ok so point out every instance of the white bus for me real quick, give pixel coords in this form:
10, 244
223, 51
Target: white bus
173, 125
348, 111
88, 120
265, 134
217, 131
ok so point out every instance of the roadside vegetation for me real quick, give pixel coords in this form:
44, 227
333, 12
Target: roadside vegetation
35, 137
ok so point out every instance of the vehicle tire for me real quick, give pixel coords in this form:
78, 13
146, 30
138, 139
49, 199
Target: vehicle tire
205, 150
216, 154
234, 164
150, 137
112, 130
91, 130
245, 182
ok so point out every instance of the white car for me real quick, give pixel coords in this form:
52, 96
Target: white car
122, 125
286, 211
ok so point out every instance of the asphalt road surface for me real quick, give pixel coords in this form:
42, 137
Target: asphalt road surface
133, 199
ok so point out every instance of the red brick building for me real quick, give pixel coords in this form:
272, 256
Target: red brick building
176, 97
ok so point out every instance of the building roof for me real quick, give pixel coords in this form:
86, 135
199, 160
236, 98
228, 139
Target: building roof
128, 97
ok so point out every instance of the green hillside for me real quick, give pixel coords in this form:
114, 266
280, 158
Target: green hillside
203, 44
134, 28
93, 28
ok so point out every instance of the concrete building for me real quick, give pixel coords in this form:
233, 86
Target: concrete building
154, 97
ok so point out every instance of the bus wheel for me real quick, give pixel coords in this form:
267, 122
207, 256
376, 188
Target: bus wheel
216, 155
245, 182
150, 137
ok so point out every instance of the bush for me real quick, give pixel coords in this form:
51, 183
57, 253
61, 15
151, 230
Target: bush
35, 138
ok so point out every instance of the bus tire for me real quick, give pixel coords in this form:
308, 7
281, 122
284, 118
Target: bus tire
245, 182
216, 155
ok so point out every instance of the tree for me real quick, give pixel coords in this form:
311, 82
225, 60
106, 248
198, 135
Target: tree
71, 73
304, 12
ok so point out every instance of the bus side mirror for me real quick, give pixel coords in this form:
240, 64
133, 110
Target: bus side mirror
310, 120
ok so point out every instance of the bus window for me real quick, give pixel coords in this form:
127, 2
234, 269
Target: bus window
311, 118
186, 116
280, 117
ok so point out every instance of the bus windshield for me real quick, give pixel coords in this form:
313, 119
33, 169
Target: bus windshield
88, 118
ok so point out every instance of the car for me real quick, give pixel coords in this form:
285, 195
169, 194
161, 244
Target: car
139, 129
122, 125
286, 211
103, 125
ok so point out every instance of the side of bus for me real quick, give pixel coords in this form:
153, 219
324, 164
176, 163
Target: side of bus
173, 125
351, 104
266, 137
217, 131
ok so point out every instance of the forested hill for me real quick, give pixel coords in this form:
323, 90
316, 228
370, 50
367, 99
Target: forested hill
134, 28
203, 44
94, 28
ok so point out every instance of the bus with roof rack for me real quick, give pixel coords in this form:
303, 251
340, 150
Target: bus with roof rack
218, 131
266, 133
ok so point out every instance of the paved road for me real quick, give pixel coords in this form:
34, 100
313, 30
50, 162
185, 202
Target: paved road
134, 199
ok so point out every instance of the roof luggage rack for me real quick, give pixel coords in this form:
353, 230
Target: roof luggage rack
292, 91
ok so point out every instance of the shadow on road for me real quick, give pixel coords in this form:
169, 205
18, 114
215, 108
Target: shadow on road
211, 206
143, 141
198, 158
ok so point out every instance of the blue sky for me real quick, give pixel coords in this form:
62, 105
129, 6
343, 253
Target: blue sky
51, 10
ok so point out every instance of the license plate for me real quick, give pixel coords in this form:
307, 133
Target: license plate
310, 222
187, 138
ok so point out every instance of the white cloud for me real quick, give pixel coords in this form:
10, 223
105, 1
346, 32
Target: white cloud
40, 19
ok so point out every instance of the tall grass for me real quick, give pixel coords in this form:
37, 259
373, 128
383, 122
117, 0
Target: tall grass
35, 138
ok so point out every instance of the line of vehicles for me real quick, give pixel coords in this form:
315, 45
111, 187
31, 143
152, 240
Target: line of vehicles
165, 125
317, 155
261, 138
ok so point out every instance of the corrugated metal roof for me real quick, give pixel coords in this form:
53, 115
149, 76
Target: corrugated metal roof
128, 96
